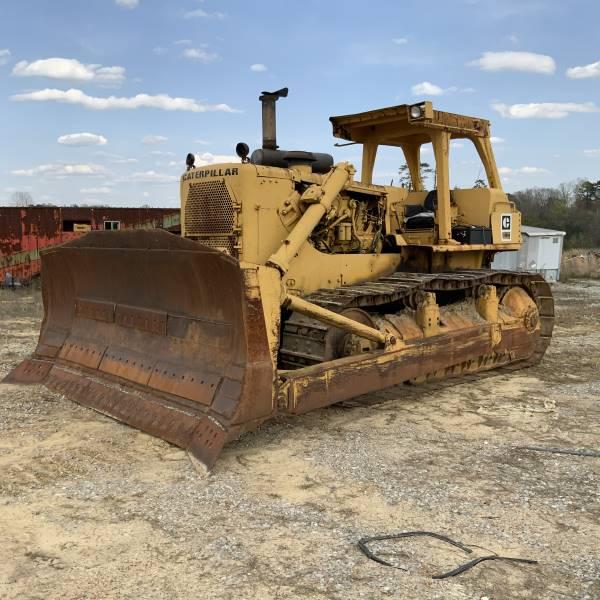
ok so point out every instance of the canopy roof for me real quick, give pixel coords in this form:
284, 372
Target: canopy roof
540, 231
393, 126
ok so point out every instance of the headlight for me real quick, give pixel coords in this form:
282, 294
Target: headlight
416, 111
242, 150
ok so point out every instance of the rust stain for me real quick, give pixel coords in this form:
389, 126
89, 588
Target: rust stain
27, 230
130, 367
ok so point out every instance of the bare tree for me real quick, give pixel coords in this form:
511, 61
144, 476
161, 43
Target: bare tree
405, 178
22, 199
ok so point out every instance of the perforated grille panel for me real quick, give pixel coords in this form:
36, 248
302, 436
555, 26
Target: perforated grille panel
220, 242
209, 209
210, 216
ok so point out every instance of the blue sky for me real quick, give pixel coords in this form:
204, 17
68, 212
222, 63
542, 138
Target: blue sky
152, 80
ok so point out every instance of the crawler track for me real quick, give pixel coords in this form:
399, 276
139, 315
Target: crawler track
303, 339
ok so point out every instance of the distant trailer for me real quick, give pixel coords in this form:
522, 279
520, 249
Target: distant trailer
25, 231
541, 253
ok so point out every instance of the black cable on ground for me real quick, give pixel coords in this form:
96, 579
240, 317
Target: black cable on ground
363, 545
468, 565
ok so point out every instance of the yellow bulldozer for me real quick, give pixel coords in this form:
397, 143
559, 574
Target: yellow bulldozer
293, 286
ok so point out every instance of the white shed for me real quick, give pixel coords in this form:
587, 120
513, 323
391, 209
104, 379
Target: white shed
540, 253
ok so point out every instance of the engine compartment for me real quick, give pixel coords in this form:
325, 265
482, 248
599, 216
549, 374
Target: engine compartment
355, 224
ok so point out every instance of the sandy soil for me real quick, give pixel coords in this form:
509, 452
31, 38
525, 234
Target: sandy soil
90, 508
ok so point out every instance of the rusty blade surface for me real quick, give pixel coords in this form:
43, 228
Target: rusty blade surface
155, 331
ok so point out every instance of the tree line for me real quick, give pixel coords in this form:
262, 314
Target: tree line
571, 207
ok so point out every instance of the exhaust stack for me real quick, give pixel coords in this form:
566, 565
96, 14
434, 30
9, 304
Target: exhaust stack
269, 120
269, 155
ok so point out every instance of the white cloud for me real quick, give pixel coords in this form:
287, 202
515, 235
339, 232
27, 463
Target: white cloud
96, 190
515, 61
592, 153
202, 142
61, 170
532, 170
69, 69
91, 202
182, 42
109, 75
153, 177
543, 110
200, 55
497, 140
591, 71
207, 158
151, 140
457, 145
523, 170
159, 101
82, 139
512, 38
400, 41
127, 3
258, 68
202, 14
425, 88
125, 161
161, 153
4, 56
160, 51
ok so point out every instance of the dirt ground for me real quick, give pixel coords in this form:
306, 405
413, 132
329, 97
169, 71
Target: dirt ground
90, 508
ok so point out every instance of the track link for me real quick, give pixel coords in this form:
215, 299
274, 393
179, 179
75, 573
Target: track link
303, 339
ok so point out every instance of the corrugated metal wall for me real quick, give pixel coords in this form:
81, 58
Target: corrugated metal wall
25, 231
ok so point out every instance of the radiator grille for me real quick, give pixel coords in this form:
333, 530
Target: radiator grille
209, 209
225, 243
210, 216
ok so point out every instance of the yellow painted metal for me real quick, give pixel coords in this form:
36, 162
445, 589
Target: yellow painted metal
441, 148
337, 320
487, 303
428, 315
319, 198
312, 270
368, 162
274, 211
488, 307
412, 154
275, 214
486, 154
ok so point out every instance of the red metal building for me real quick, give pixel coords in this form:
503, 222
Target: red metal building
25, 231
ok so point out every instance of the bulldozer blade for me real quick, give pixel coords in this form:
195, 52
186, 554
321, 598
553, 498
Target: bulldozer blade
157, 331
